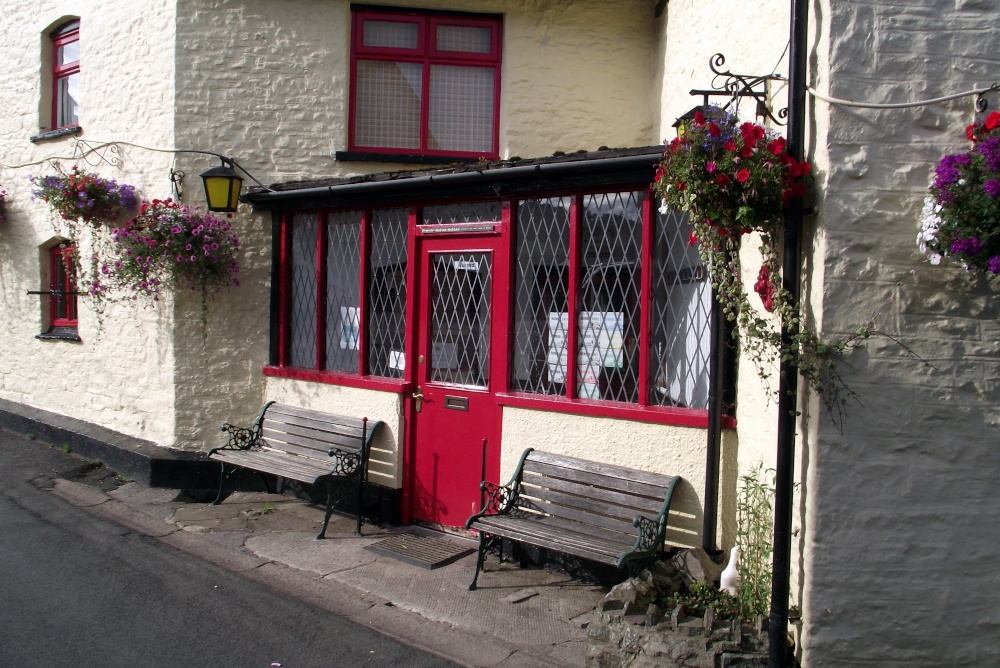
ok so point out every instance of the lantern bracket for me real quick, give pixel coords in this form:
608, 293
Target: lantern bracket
736, 86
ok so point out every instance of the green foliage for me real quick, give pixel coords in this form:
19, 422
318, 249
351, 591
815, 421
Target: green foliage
754, 535
703, 596
732, 179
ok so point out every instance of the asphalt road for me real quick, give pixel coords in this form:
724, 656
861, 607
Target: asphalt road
79, 591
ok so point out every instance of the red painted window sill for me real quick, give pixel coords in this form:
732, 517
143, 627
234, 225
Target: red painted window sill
682, 417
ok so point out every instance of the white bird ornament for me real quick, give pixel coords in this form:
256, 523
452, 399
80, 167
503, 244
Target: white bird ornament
729, 581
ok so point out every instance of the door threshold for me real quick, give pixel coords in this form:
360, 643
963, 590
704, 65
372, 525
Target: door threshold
455, 535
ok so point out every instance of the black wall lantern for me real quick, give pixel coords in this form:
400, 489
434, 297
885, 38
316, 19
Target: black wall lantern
222, 187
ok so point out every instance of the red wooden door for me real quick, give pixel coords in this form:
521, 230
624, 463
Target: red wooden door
454, 409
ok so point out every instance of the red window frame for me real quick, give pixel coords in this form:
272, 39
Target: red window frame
67, 33
283, 367
644, 410
62, 286
426, 54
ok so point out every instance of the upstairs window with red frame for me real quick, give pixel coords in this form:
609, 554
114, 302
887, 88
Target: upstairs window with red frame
62, 288
66, 75
425, 84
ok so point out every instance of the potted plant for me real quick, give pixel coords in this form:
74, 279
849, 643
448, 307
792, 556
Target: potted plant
170, 245
85, 197
961, 215
733, 178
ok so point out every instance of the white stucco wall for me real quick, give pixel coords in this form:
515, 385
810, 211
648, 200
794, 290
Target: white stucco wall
121, 376
900, 550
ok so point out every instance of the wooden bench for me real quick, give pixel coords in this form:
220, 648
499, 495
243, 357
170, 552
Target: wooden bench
608, 514
307, 446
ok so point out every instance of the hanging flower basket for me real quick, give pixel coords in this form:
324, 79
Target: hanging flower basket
170, 245
961, 215
734, 178
85, 197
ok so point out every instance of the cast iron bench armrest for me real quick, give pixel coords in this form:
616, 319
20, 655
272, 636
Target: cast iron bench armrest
499, 500
242, 438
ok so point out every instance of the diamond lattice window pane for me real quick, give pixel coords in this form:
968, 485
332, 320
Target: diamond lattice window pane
541, 289
302, 292
460, 318
462, 212
680, 317
343, 291
387, 293
607, 354
388, 98
460, 117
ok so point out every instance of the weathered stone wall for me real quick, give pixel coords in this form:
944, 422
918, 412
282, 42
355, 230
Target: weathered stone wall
900, 554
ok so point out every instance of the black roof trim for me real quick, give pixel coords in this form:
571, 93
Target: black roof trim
495, 179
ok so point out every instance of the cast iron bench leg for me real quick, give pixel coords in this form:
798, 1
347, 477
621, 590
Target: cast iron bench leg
329, 511
479, 560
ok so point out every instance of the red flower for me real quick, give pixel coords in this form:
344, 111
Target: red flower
730, 145
699, 118
992, 121
777, 146
714, 130
970, 132
722, 179
742, 175
692, 239
765, 289
747, 151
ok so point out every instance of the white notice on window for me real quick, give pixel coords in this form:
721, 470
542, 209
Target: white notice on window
397, 360
557, 358
350, 327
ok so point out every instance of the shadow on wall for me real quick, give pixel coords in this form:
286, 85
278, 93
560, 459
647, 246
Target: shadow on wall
684, 524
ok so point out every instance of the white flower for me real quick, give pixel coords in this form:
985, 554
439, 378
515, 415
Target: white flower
664, 208
935, 258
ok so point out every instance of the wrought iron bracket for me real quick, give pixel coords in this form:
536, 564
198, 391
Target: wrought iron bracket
981, 103
736, 86
95, 155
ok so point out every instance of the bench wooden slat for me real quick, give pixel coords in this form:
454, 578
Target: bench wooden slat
612, 530
324, 420
316, 441
612, 502
566, 542
260, 461
619, 472
600, 480
577, 517
308, 425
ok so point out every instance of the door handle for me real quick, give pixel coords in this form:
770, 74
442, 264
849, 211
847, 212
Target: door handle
418, 398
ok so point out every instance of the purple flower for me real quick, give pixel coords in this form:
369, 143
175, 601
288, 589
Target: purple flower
969, 246
947, 172
992, 188
994, 264
990, 149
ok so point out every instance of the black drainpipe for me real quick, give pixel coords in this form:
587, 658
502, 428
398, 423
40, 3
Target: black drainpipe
716, 382
788, 384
